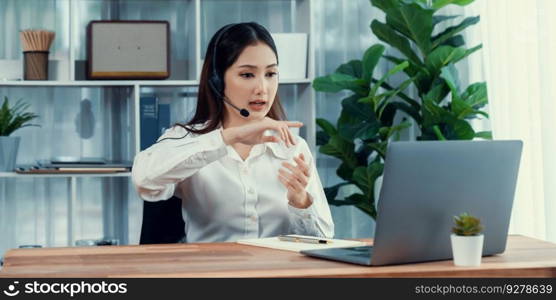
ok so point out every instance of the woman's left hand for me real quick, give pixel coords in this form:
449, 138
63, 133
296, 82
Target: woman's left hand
295, 179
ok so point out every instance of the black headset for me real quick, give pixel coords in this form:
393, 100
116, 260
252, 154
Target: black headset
215, 82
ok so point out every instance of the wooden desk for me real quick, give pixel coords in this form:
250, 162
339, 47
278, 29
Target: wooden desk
524, 257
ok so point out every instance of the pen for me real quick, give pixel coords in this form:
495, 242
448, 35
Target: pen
297, 239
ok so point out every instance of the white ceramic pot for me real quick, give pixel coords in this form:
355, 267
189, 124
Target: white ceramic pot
8, 152
467, 250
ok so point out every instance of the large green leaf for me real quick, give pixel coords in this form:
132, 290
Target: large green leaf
414, 22
345, 171
438, 4
357, 110
385, 4
441, 18
432, 113
327, 126
357, 120
455, 41
336, 82
476, 95
352, 68
471, 51
387, 132
332, 192
410, 110
370, 60
453, 30
394, 70
322, 138
461, 109
389, 95
388, 35
462, 130
353, 128
443, 56
438, 92
340, 148
361, 180
487, 135
450, 76
360, 201
365, 177
403, 96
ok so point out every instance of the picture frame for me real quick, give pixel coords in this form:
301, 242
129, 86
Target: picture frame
128, 49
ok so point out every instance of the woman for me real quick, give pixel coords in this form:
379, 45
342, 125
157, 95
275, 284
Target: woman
238, 169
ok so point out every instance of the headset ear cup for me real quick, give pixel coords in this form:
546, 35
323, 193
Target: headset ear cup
216, 86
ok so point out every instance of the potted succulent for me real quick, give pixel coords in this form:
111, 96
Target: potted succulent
467, 240
11, 119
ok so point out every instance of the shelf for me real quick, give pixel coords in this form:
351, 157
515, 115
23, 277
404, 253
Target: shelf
102, 83
16, 175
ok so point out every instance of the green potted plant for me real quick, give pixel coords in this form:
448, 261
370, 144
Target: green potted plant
440, 110
11, 119
366, 124
467, 240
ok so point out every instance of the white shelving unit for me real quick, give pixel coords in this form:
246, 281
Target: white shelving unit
115, 103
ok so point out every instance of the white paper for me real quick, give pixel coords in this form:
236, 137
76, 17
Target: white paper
275, 243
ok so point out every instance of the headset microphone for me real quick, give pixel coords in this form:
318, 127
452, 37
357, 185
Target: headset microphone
242, 111
216, 83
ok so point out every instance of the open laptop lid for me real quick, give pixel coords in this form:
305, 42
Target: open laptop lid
426, 183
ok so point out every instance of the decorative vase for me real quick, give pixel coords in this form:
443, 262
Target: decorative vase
467, 250
8, 152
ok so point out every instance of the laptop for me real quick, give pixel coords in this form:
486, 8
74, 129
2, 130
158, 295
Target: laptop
425, 185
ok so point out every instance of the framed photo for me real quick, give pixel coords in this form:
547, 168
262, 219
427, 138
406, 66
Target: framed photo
128, 50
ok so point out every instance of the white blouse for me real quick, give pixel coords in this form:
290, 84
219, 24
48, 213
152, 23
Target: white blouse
225, 198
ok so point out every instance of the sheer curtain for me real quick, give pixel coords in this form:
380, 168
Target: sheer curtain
519, 40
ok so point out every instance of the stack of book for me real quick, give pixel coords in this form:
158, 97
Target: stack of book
78, 165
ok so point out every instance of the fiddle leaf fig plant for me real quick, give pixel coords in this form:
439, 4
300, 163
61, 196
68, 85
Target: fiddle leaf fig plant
442, 109
366, 124
467, 225
15, 117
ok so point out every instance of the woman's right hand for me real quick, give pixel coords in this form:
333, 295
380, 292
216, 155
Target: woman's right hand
253, 133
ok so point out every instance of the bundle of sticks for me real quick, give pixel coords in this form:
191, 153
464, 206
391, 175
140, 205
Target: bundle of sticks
36, 45
36, 40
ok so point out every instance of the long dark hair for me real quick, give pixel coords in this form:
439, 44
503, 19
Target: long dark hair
231, 40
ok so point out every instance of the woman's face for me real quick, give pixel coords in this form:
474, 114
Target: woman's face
252, 82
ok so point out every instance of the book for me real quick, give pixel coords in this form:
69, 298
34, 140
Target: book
46, 170
275, 243
91, 169
85, 165
148, 114
163, 117
77, 160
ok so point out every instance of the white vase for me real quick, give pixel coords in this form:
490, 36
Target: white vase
8, 152
467, 250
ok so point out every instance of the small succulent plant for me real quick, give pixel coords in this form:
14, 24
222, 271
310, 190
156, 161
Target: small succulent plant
15, 117
467, 225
